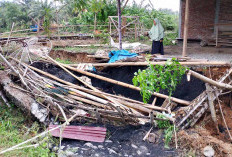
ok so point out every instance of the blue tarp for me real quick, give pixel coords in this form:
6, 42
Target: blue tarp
34, 28
120, 54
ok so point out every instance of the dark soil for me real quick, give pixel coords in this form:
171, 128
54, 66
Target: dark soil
185, 90
124, 141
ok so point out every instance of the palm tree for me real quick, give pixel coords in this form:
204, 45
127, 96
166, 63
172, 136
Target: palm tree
40, 8
79, 5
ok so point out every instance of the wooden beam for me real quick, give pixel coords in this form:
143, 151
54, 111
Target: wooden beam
215, 63
186, 22
210, 81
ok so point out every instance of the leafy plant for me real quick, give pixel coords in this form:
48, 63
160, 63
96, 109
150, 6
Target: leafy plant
168, 132
162, 124
158, 77
104, 37
47, 23
169, 38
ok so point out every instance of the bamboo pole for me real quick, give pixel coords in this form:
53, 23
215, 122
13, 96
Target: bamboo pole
136, 106
13, 69
10, 34
113, 103
86, 101
210, 81
212, 63
210, 95
53, 77
125, 84
74, 91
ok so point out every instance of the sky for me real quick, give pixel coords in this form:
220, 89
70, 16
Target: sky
170, 4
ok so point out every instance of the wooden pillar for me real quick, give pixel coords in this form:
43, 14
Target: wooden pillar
123, 25
216, 35
110, 25
136, 31
119, 25
186, 22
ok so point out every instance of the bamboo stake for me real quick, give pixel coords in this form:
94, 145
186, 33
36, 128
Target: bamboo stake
210, 81
13, 69
115, 96
215, 63
110, 112
211, 105
67, 83
224, 118
89, 96
62, 111
145, 105
10, 34
86, 101
154, 101
138, 107
125, 85
114, 104
147, 134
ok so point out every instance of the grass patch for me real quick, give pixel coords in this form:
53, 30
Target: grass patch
90, 49
63, 61
16, 128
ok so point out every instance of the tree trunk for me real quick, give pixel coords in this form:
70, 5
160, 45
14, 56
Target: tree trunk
57, 22
119, 25
95, 22
38, 23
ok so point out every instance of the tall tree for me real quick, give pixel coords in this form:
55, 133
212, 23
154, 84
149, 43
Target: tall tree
119, 25
96, 6
78, 5
40, 8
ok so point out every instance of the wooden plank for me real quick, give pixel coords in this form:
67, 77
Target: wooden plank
83, 128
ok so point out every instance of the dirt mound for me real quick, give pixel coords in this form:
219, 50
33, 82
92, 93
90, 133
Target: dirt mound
71, 56
227, 112
64, 43
198, 139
